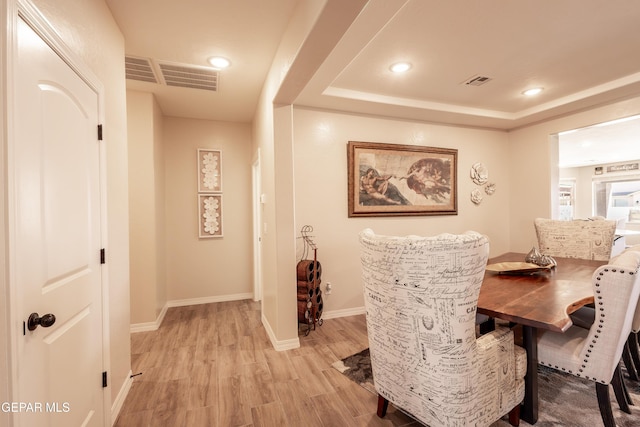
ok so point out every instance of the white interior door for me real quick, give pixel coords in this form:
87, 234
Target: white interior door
56, 241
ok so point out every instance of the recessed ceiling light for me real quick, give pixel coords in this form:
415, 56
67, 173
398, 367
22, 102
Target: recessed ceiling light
532, 91
219, 62
400, 67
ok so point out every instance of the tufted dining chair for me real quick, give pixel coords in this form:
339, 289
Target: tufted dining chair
421, 296
595, 353
585, 316
585, 239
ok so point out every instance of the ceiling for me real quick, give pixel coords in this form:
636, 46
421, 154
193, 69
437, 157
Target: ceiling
582, 52
189, 32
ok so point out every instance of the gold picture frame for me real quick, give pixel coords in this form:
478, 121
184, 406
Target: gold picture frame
401, 180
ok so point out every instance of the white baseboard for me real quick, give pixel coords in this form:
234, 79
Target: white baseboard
117, 404
279, 345
149, 326
207, 300
333, 314
295, 342
152, 326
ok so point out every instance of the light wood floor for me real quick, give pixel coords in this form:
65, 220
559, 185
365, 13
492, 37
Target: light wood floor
213, 365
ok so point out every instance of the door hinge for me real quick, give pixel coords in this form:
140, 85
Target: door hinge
99, 132
102, 256
104, 379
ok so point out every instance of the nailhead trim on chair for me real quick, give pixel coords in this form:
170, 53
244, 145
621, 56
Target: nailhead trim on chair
598, 331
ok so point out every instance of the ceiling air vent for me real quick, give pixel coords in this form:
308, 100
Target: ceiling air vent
477, 80
139, 69
189, 76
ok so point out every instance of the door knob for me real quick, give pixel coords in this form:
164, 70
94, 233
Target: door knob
45, 321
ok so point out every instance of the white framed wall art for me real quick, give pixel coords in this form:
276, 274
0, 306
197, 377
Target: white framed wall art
209, 171
210, 215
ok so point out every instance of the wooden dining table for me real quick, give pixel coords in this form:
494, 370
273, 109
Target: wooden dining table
536, 300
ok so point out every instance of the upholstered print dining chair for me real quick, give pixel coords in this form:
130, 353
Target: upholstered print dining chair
421, 295
595, 353
585, 239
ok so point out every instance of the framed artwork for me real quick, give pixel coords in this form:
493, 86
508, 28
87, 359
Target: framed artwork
401, 180
209, 171
209, 215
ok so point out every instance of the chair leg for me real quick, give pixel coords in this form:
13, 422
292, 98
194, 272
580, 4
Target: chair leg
602, 390
620, 390
383, 404
628, 362
514, 416
488, 326
632, 341
627, 395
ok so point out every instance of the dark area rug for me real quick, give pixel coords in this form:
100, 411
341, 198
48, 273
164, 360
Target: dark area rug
565, 400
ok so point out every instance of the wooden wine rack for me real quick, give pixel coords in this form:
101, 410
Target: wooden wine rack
309, 274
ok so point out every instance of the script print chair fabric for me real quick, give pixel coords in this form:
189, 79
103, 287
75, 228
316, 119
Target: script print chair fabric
585, 239
421, 295
595, 353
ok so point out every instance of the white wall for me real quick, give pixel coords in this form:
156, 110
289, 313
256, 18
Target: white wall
217, 268
320, 156
146, 207
279, 305
160, 204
